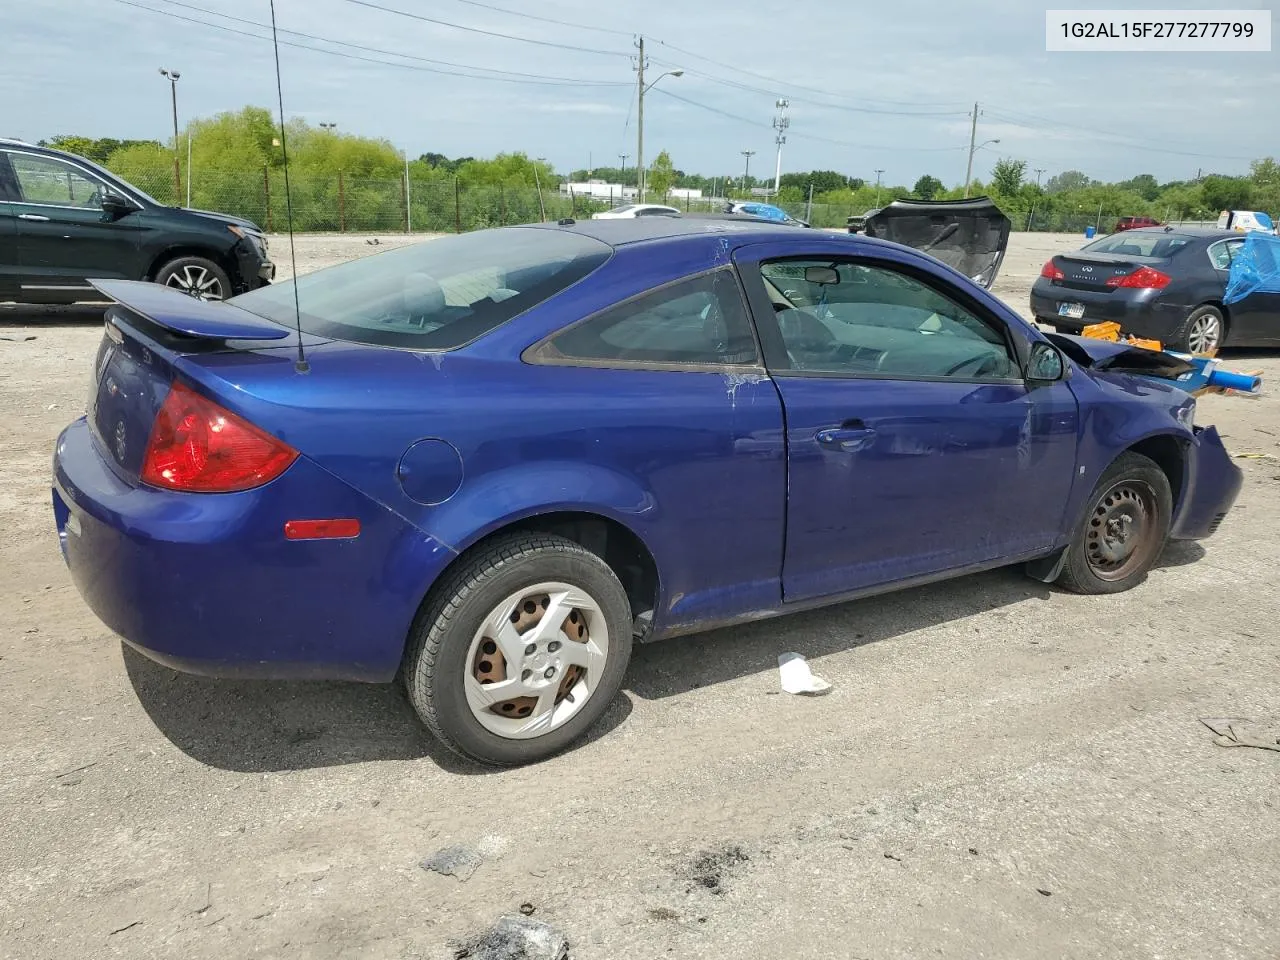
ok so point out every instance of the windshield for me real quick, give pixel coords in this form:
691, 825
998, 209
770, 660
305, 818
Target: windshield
434, 295
1140, 244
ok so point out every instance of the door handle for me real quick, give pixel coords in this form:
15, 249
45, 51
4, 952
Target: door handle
33, 216
850, 436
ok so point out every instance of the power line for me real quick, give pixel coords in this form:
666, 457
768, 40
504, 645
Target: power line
802, 135
531, 78
559, 23
392, 53
487, 33
775, 81
1027, 120
818, 103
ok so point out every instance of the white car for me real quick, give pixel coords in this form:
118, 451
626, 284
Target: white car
628, 210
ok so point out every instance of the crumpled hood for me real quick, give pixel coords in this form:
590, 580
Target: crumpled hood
1106, 356
969, 235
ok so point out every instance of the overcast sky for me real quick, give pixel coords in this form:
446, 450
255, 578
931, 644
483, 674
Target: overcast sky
872, 84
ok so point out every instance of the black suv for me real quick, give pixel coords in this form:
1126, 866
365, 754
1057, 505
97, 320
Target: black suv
64, 220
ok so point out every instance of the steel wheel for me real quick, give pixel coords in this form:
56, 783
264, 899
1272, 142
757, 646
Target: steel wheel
196, 281
1205, 334
536, 660
1121, 535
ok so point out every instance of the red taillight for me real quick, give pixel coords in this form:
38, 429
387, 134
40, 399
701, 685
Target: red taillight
198, 446
1143, 278
1050, 271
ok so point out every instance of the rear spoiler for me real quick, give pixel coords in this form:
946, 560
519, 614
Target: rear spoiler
176, 311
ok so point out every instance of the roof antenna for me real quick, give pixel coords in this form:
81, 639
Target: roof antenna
300, 365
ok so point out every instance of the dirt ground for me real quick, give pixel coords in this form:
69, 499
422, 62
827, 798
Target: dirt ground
1001, 770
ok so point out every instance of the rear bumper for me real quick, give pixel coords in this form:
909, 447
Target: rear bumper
1213, 482
1140, 313
208, 584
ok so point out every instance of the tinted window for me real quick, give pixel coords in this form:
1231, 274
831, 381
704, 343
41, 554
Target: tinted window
875, 320
699, 321
48, 180
1223, 252
437, 294
1140, 244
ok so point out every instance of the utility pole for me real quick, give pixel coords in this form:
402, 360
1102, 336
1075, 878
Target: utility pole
780, 123
746, 173
1039, 170
172, 76
640, 123
878, 172
641, 90
973, 136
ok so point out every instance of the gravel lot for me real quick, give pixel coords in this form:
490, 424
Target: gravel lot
1002, 770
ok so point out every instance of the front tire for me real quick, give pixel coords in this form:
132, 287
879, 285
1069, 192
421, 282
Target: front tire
520, 650
196, 277
1123, 531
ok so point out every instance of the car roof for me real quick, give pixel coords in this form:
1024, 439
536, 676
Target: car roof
624, 231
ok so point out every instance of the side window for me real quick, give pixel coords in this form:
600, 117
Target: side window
858, 318
51, 181
1223, 252
695, 321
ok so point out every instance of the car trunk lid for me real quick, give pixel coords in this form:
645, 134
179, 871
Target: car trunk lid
153, 333
969, 235
1091, 271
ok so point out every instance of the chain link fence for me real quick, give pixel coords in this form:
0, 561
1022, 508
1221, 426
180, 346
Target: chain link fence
347, 204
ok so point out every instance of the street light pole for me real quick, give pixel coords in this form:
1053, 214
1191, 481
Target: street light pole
746, 172
327, 126
642, 89
972, 151
172, 76
878, 172
622, 174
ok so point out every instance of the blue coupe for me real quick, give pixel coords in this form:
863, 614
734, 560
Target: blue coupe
488, 463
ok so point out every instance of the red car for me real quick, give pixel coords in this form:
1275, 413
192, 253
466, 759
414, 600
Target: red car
1132, 223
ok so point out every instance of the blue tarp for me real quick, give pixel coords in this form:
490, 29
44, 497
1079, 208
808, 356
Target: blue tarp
1255, 268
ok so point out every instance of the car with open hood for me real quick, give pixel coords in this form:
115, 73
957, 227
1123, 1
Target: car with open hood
488, 464
65, 220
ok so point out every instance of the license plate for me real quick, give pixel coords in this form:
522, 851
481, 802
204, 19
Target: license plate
1073, 310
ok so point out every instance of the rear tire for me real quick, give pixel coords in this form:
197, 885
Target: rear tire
1203, 332
196, 277
1124, 529
483, 627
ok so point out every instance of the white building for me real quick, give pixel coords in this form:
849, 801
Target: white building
599, 190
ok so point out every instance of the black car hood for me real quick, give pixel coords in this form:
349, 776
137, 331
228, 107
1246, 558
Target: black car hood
969, 235
224, 218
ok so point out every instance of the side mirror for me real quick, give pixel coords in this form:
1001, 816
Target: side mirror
823, 276
116, 205
1046, 364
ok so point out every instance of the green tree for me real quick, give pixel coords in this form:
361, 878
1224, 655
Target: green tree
1226, 193
927, 187
1007, 175
661, 176
1144, 184
98, 150
1066, 181
824, 181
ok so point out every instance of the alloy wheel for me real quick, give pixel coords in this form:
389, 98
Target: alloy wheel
196, 281
1204, 334
536, 660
